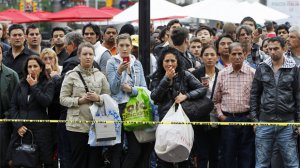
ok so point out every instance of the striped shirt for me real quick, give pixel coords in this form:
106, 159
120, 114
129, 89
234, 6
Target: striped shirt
232, 92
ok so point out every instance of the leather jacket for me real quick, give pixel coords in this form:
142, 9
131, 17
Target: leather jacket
273, 102
164, 93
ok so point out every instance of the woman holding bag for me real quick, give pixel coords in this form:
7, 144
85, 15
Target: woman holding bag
125, 74
30, 100
81, 88
174, 85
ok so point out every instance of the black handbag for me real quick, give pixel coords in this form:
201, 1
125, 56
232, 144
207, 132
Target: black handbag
25, 154
197, 109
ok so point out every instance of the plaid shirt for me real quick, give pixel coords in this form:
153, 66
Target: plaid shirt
232, 92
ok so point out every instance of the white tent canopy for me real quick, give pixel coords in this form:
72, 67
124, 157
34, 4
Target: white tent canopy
232, 11
158, 9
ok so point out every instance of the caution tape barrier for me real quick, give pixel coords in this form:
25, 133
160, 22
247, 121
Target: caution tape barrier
157, 122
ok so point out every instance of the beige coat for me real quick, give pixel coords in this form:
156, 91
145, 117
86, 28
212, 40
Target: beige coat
73, 88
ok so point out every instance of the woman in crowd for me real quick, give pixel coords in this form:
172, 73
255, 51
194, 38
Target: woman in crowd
78, 99
30, 100
206, 144
124, 74
53, 71
174, 85
264, 46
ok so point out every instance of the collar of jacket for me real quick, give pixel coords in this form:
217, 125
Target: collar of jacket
288, 62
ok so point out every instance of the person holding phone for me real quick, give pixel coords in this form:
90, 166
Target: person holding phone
125, 73
30, 100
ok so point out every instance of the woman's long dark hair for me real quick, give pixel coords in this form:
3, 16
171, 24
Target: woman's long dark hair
41, 64
160, 69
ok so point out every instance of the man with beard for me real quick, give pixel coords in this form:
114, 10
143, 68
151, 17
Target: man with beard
34, 38
58, 36
275, 97
222, 46
109, 39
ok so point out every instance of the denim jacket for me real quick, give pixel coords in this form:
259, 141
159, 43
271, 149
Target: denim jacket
115, 80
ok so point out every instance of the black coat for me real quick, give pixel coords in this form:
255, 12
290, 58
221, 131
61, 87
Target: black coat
275, 102
41, 96
164, 94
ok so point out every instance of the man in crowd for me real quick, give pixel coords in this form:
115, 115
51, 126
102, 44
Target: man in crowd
180, 39
275, 97
231, 99
195, 49
58, 36
293, 43
110, 34
8, 82
282, 31
91, 33
222, 46
18, 53
205, 34
33, 39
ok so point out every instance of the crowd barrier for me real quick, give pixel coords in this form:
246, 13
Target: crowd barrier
157, 122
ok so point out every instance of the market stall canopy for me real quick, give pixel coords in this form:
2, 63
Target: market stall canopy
41, 14
16, 16
80, 14
159, 9
232, 11
111, 10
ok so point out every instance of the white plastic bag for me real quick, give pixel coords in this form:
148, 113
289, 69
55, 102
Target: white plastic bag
112, 110
174, 141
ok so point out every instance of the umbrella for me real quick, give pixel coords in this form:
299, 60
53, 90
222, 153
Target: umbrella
41, 14
111, 10
158, 9
232, 11
16, 16
80, 14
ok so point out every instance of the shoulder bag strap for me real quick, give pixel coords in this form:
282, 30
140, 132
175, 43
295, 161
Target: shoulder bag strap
85, 86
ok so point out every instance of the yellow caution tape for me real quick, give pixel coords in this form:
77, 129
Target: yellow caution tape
157, 122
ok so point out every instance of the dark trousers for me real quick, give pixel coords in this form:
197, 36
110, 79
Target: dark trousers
238, 144
164, 164
5, 134
63, 144
206, 146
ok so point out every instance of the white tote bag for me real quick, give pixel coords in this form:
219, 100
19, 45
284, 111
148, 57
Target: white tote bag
174, 141
112, 111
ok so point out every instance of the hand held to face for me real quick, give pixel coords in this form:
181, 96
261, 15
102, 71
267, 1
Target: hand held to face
31, 80
48, 68
170, 73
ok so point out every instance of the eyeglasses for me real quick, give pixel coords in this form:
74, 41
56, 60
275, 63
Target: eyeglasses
48, 58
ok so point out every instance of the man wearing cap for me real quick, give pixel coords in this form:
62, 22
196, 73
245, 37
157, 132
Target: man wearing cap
231, 99
135, 45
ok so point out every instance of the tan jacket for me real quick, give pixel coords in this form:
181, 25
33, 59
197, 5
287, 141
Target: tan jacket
73, 88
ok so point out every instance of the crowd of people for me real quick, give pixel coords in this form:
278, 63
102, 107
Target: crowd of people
250, 72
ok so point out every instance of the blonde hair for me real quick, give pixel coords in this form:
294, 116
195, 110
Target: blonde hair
51, 53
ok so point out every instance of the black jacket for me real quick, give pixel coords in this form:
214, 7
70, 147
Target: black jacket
164, 94
41, 96
198, 73
273, 102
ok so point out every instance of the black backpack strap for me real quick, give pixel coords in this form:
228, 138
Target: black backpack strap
85, 86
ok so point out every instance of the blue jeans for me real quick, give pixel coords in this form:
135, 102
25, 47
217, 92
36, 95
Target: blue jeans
237, 145
284, 137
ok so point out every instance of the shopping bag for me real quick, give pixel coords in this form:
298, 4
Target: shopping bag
110, 110
174, 141
138, 109
105, 131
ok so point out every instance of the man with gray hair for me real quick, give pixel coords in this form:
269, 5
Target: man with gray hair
72, 41
293, 43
